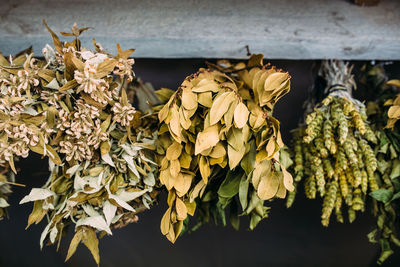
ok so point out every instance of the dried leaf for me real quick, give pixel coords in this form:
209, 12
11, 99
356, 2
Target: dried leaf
220, 106
268, 186
206, 139
241, 115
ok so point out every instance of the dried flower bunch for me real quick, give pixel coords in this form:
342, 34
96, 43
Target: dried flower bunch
74, 108
385, 200
333, 153
24, 125
218, 127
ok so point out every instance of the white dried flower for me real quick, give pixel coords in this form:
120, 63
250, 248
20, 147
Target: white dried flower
123, 114
124, 68
87, 79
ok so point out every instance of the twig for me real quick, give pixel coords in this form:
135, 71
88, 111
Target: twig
12, 183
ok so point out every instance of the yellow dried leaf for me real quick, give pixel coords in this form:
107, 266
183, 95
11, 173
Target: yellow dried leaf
281, 193
92, 243
12, 166
57, 43
287, 179
185, 159
206, 85
171, 235
268, 186
181, 210
69, 85
204, 167
394, 83
167, 179
261, 155
235, 156
189, 99
388, 102
105, 148
196, 190
182, 184
261, 169
394, 112
216, 161
53, 155
37, 213
271, 148
175, 125
190, 206
275, 80
163, 113
165, 222
255, 60
205, 99
218, 151
228, 116
206, 139
174, 151
241, 115
174, 168
183, 119
74, 243
171, 198
220, 106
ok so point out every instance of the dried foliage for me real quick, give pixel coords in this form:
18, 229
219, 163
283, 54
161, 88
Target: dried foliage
6, 178
333, 152
394, 111
385, 205
73, 107
219, 136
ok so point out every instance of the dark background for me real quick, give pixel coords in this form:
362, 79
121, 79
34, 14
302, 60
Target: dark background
290, 237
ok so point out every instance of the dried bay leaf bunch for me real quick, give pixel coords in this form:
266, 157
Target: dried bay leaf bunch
217, 129
386, 200
333, 156
107, 173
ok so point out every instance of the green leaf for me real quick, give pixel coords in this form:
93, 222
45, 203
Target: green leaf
243, 190
230, 186
382, 195
386, 250
233, 217
372, 236
395, 169
395, 196
247, 163
254, 220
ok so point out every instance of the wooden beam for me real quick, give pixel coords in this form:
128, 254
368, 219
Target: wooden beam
280, 29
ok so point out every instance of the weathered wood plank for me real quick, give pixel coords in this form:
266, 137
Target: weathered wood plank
286, 29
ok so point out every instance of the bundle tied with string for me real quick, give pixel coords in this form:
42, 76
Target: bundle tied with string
218, 135
332, 153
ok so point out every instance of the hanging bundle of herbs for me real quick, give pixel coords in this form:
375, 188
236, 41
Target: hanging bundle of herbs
385, 200
73, 107
333, 154
217, 130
